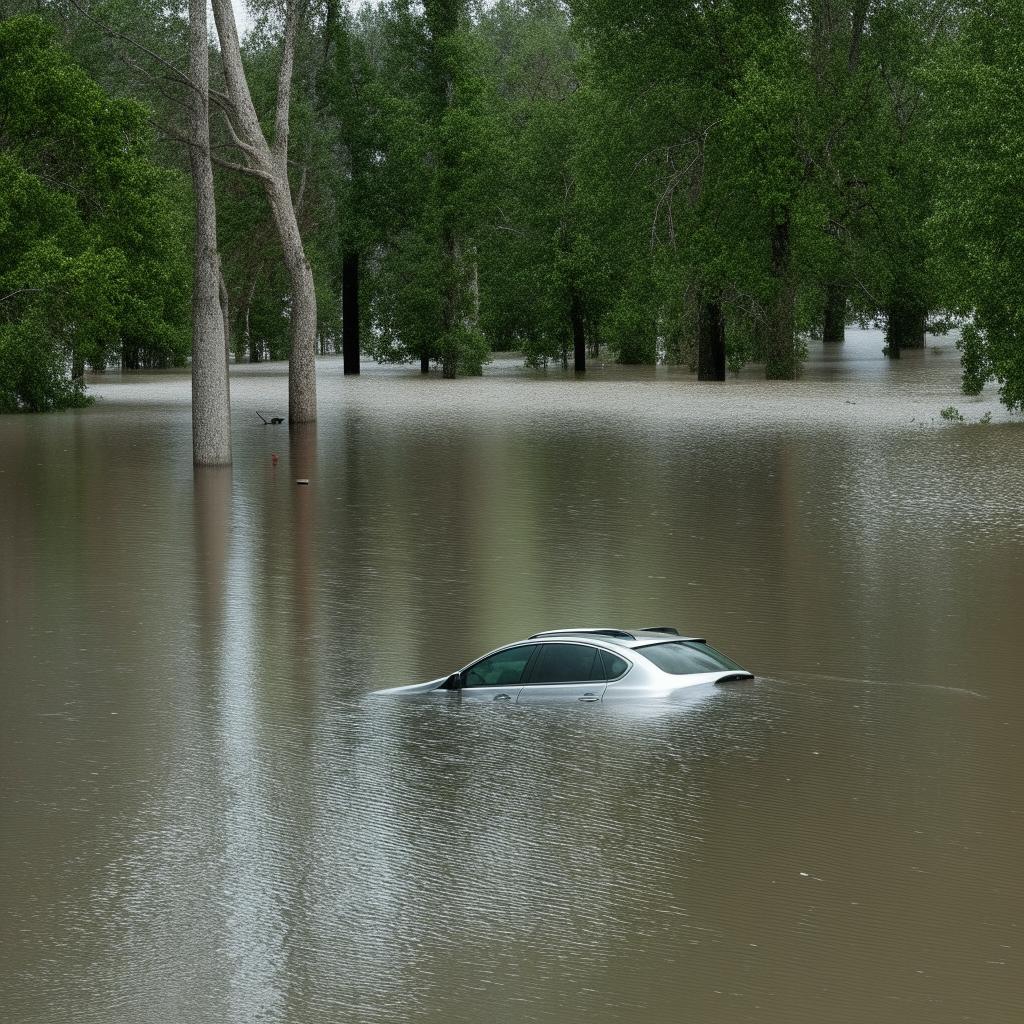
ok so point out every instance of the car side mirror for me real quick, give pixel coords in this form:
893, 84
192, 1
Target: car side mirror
454, 681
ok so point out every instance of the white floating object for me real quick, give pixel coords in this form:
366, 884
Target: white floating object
306, 482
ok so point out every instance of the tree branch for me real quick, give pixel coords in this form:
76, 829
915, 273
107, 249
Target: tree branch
284, 81
18, 291
254, 172
176, 73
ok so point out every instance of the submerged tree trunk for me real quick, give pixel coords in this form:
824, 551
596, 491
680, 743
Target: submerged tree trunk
424, 363
579, 334
906, 319
211, 416
710, 342
270, 165
834, 327
350, 311
302, 355
780, 360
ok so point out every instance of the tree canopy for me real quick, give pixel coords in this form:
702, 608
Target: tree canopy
94, 262
710, 183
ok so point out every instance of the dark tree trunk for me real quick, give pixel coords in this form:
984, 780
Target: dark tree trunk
834, 328
350, 311
449, 355
77, 365
424, 363
579, 334
893, 334
780, 361
710, 342
905, 326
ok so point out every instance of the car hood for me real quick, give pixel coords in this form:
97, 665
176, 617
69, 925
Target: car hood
433, 684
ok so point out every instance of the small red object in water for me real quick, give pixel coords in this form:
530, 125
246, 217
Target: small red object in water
273, 458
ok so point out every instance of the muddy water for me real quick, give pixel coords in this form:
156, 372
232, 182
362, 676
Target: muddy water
205, 817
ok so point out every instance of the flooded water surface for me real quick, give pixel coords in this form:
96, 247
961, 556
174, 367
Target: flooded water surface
206, 816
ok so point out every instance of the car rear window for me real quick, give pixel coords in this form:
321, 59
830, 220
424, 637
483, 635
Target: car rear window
683, 657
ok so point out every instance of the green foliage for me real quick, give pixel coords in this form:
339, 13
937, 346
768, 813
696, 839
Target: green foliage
93, 238
506, 171
978, 222
951, 413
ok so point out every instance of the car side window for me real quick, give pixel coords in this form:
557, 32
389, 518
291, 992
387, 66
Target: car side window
614, 666
502, 669
567, 663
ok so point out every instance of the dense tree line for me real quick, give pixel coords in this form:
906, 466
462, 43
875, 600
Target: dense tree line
708, 183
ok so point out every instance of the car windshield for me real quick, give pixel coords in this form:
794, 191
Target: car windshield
683, 657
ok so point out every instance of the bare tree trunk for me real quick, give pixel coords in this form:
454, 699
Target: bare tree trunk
270, 165
211, 413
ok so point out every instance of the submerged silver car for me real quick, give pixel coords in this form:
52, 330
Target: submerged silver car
589, 665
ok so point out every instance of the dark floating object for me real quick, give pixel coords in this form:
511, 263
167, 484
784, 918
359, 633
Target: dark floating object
302, 482
272, 422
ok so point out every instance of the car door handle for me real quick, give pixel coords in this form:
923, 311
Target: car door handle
502, 696
589, 698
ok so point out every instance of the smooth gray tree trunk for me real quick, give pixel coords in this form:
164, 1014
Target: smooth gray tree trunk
211, 407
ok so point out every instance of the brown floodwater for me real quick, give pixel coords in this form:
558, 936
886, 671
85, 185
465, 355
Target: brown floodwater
204, 816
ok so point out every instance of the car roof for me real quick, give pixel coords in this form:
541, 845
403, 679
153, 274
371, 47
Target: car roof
630, 638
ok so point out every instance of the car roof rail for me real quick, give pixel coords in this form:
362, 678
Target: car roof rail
621, 634
671, 630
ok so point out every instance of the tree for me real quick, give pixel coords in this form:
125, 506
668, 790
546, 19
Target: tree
268, 162
93, 242
211, 406
976, 119
432, 125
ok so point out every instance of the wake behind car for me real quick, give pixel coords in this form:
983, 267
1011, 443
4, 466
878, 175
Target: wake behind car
588, 664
